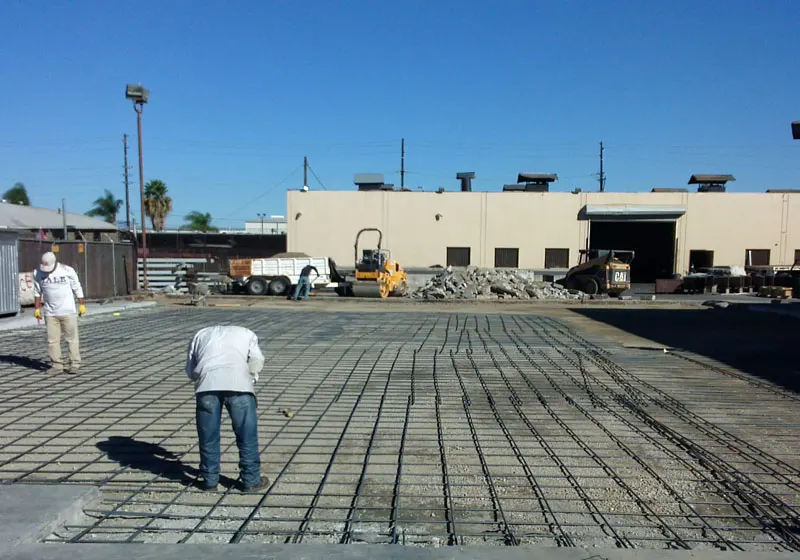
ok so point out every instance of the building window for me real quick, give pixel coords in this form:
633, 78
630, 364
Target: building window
699, 259
756, 257
506, 258
797, 256
556, 258
458, 256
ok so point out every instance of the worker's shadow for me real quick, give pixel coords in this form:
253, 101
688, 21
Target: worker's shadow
153, 458
29, 363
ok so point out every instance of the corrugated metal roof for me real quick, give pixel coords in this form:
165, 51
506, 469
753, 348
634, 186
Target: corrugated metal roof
634, 210
715, 179
15, 216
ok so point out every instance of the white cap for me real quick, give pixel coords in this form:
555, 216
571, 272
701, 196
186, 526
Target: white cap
48, 262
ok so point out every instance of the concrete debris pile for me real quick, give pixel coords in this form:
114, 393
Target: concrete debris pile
489, 283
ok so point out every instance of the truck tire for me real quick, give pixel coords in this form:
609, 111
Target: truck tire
257, 287
280, 287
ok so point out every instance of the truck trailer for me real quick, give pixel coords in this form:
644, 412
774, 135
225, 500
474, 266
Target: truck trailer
277, 276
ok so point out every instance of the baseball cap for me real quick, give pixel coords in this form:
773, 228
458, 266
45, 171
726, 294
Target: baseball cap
48, 262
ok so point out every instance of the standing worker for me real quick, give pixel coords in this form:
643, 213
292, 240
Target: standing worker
224, 362
304, 282
55, 286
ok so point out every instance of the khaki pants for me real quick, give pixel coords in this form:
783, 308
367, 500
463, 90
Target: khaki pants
68, 324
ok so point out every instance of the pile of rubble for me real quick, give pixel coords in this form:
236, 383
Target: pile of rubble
489, 283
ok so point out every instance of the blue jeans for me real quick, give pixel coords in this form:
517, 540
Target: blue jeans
242, 409
303, 282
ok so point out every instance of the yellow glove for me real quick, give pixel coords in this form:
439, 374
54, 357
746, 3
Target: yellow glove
38, 314
81, 310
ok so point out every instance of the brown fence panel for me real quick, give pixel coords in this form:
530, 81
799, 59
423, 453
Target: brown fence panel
105, 269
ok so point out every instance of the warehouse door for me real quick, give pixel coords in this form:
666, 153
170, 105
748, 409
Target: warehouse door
652, 241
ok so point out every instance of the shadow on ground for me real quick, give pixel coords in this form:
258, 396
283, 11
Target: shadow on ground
29, 363
153, 458
761, 344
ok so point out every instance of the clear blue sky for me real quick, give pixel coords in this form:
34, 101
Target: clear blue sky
240, 91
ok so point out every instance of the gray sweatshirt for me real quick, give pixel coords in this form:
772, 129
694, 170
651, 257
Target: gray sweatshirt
224, 359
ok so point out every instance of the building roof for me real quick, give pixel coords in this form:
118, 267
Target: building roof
15, 216
537, 178
710, 179
270, 220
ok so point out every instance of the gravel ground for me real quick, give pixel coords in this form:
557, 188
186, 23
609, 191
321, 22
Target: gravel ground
417, 428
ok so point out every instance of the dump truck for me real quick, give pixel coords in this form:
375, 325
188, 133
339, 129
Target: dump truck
376, 274
601, 271
277, 276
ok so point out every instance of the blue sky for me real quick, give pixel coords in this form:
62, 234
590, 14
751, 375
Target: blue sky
241, 91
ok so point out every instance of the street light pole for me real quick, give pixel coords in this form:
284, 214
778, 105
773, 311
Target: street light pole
262, 222
140, 95
796, 130
138, 108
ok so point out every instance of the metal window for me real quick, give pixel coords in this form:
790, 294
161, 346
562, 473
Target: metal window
756, 257
458, 256
506, 258
556, 258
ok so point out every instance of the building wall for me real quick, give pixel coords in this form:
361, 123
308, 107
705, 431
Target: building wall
326, 223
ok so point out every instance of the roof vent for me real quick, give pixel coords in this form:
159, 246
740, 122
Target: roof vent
710, 183
371, 182
466, 178
532, 182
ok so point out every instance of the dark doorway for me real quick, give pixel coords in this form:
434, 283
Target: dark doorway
756, 257
699, 259
653, 243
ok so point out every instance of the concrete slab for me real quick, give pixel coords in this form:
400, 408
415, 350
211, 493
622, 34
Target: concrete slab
360, 552
29, 513
26, 319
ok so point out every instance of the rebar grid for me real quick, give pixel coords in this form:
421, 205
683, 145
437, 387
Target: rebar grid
418, 429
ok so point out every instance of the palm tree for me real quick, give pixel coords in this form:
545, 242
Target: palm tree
17, 194
198, 221
157, 205
107, 207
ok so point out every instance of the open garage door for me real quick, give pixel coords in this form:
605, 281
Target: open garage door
647, 230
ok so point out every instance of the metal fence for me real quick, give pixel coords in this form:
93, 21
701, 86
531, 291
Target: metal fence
105, 269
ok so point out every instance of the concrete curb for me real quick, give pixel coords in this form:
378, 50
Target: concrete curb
30, 513
361, 552
27, 321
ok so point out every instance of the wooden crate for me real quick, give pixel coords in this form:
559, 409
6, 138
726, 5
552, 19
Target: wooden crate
776, 292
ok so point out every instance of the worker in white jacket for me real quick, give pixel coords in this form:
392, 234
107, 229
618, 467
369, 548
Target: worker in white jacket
224, 362
55, 287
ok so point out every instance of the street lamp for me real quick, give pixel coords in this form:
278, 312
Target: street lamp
139, 95
796, 130
262, 216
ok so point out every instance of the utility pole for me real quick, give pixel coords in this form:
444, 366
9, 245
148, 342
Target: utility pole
305, 171
64, 216
402, 163
127, 184
602, 177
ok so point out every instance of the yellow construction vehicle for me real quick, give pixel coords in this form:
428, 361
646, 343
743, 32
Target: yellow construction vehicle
376, 274
601, 272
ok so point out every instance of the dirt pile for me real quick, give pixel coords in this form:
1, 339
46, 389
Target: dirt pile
490, 283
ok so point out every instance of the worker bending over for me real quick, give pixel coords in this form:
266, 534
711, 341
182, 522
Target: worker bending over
55, 287
224, 362
304, 282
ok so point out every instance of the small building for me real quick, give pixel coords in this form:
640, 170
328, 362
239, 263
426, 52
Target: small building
272, 225
49, 224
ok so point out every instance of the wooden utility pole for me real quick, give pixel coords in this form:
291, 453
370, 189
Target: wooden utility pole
305, 171
127, 183
402, 163
602, 177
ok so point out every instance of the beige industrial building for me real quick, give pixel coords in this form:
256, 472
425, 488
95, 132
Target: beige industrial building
670, 231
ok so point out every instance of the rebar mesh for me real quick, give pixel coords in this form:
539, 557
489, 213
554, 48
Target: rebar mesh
411, 428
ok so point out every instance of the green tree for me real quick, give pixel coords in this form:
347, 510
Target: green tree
199, 221
157, 204
106, 207
17, 194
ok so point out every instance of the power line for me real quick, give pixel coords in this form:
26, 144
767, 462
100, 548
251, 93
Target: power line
262, 195
317, 178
